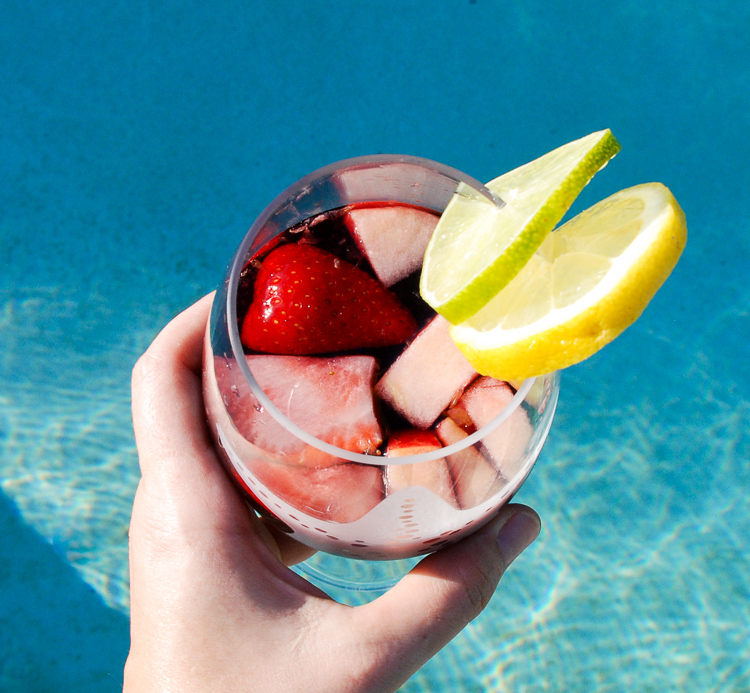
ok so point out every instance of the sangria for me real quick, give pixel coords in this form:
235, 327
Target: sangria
336, 396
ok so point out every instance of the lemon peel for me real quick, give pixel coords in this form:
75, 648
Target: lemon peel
588, 281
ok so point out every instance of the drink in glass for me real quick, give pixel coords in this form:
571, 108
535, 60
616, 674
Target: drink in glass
337, 399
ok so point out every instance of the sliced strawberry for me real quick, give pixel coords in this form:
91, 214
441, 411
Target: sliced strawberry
482, 401
330, 398
341, 493
427, 377
473, 476
309, 301
394, 238
433, 475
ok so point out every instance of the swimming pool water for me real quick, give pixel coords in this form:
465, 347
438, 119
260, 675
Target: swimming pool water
137, 143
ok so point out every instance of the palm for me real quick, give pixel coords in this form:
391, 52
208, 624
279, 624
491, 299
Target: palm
214, 607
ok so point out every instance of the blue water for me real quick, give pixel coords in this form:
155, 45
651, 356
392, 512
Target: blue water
139, 140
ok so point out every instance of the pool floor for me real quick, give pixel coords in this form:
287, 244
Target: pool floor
140, 140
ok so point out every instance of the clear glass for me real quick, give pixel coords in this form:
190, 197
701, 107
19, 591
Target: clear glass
404, 521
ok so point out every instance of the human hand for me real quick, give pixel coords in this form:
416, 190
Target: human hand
213, 605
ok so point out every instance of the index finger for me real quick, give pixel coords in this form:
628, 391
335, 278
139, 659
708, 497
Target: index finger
167, 402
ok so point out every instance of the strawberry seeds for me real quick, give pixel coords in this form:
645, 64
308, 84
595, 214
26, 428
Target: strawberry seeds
309, 301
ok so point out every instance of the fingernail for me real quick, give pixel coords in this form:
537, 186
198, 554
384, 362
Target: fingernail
516, 534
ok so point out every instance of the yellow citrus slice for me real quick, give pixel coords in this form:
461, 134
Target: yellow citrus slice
478, 247
588, 281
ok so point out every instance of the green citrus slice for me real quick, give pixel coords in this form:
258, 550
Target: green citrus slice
588, 281
478, 247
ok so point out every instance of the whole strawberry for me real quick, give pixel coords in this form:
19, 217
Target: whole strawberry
308, 301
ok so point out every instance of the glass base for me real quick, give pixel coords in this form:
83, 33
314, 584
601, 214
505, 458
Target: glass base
353, 580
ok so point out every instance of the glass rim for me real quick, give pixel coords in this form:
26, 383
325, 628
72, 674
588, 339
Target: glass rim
238, 352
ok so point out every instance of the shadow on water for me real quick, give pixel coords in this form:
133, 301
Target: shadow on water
56, 634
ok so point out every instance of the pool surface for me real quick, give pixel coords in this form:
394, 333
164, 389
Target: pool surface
139, 140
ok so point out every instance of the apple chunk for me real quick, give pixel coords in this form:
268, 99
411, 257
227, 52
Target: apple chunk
430, 373
393, 239
481, 402
433, 475
474, 478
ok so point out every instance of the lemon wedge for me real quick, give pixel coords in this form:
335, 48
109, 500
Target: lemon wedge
478, 247
588, 281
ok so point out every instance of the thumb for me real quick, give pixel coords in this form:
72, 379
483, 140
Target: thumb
446, 591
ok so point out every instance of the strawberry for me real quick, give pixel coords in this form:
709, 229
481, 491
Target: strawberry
433, 475
330, 398
339, 493
308, 301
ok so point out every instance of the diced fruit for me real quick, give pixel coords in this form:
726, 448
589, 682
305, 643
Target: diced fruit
433, 475
341, 493
378, 183
536, 396
309, 301
330, 398
589, 281
482, 401
393, 239
479, 247
461, 419
474, 478
427, 377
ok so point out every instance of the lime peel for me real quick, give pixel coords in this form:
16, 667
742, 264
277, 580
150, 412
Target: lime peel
568, 335
478, 248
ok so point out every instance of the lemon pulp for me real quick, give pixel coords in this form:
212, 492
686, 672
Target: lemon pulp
478, 247
587, 282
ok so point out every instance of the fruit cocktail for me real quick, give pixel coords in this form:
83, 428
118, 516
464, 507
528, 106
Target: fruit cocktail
336, 396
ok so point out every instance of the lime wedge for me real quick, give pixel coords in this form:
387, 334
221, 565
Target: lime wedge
478, 247
589, 280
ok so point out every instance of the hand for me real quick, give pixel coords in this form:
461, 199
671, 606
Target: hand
213, 605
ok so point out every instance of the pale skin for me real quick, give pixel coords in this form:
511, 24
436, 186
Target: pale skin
214, 606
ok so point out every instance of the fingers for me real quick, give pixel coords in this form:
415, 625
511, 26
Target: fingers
183, 482
168, 410
446, 591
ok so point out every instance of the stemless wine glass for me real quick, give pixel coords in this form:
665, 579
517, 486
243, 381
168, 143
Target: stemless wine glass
337, 500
